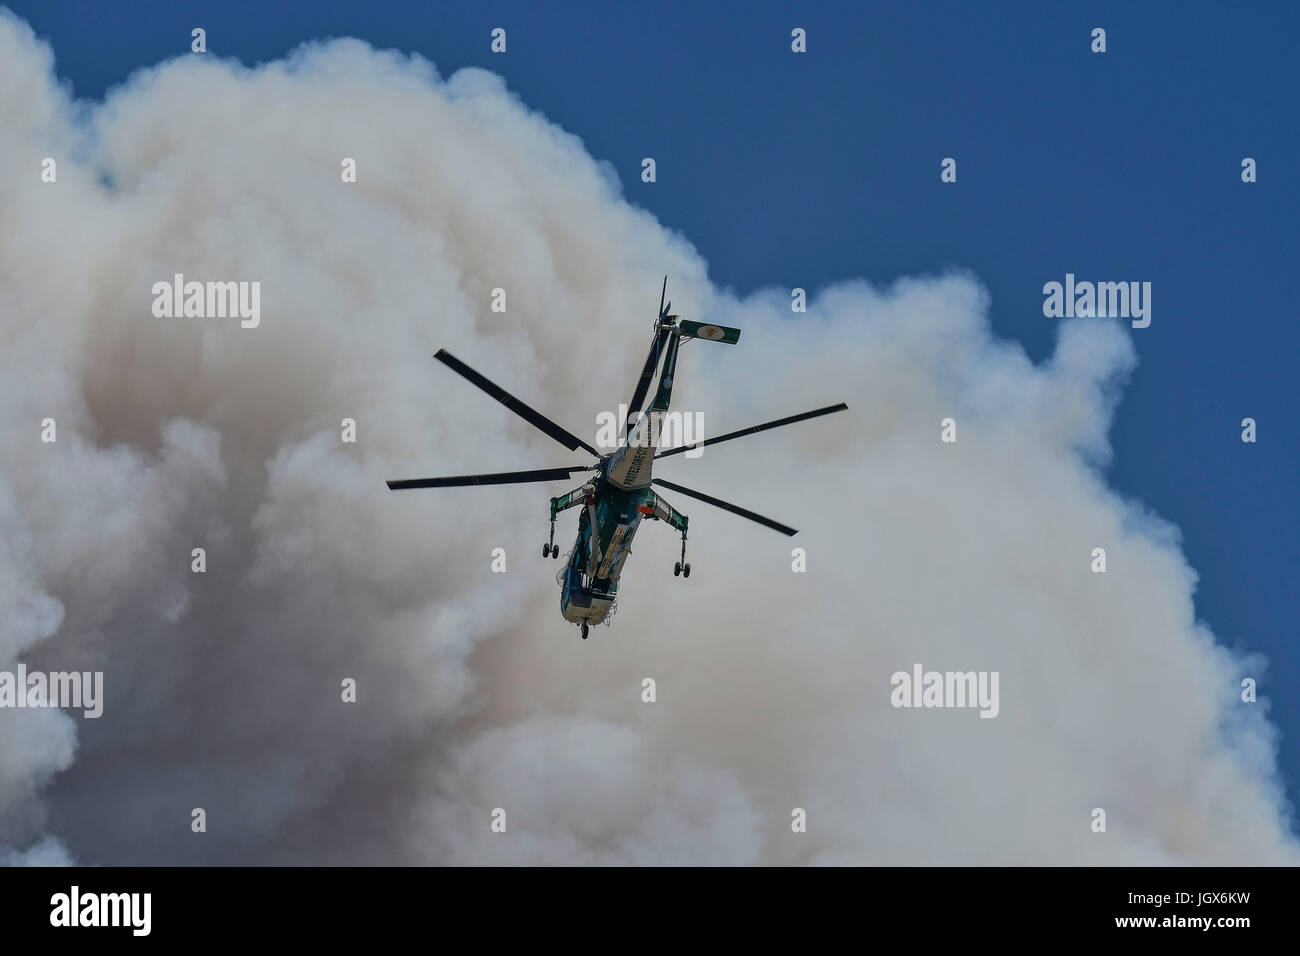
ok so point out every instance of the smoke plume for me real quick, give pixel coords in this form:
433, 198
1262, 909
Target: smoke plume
223, 688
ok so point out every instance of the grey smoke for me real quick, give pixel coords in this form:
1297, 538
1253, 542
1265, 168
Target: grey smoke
223, 689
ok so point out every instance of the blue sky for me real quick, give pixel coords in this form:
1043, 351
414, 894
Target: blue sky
802, 170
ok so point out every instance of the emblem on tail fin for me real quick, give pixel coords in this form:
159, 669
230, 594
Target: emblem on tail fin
712, 333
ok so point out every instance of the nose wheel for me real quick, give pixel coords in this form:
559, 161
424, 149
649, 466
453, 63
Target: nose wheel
584, 632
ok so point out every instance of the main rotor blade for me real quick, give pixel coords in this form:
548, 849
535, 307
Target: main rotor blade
727, 506
647, 373
532, 416
753, 429
499, 478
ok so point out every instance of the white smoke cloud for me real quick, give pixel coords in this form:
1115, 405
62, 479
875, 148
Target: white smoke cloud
223, 689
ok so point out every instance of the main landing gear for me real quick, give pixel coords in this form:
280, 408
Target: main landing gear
550, 549
681, 567
584, 631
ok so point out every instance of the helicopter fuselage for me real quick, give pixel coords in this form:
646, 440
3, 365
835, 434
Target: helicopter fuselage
613, 506
589, 580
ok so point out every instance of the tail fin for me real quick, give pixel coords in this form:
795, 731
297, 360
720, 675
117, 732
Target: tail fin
711, 333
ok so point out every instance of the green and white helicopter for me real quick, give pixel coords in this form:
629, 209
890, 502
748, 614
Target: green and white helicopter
618, 497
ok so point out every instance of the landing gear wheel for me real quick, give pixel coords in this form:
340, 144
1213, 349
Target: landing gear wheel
677, 569
686, 571
555, 551
546, 550
584, 632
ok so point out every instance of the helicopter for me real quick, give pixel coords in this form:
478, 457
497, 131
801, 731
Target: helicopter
618, 497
